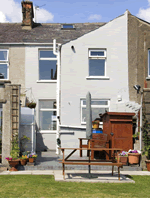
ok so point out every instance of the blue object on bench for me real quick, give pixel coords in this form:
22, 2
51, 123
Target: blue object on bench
97, 131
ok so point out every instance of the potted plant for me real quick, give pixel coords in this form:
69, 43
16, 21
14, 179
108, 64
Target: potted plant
32, 157
123, 157
23, 159
31, 105
95, 124
134, 156
15, 150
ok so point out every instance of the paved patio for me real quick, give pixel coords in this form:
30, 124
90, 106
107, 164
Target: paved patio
50, 161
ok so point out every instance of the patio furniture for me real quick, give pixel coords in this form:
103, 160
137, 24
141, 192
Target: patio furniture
89, 162
97, 141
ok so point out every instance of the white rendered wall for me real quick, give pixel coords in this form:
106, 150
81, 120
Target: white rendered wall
74, 70
40, 91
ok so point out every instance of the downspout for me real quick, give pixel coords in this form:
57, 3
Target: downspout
141, 121
57, 53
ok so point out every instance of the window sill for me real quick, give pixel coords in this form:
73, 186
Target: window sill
97, 78
148, 78
46, 81
2, 81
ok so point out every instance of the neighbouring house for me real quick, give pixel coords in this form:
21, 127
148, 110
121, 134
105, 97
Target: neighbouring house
57, 64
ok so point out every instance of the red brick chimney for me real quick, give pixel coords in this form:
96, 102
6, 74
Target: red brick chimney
28, 15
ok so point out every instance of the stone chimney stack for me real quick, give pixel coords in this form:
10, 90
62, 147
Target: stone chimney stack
28, 15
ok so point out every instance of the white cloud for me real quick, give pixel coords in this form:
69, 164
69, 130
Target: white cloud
94, 17
43, 15
11, 11
2, 17
144, 13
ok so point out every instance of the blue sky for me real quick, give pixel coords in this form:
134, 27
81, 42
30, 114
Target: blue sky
67, 11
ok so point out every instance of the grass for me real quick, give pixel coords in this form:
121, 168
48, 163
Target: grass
43, 186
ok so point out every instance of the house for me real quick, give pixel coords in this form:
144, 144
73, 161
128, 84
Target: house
57, 64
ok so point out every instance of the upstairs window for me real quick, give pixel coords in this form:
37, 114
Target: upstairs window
98, 106
47, 65
97, 62
4, 64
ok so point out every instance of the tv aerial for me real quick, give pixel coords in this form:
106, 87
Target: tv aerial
37, 8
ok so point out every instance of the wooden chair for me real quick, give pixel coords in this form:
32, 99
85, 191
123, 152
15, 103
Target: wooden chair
99, 140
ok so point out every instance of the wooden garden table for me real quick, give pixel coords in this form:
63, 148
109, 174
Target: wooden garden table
111, 162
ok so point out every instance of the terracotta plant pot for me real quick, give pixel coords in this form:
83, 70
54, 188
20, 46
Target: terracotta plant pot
23, 161
31, 160
134, 158
123, 160
13, 164
148, 164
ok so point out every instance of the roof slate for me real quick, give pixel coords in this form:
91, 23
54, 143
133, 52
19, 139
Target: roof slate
44, 33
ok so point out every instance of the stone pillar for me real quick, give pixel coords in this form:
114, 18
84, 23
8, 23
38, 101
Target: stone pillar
7, 125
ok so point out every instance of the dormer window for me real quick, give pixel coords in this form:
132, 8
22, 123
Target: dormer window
67, 26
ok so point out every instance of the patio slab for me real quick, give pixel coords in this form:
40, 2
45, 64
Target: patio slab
102, 177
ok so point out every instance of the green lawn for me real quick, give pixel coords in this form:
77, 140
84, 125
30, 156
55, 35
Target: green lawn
43, 186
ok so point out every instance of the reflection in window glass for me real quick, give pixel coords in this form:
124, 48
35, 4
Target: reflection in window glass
3, 70
47, 54
48, 120
97, 53
3, 55
96, 67
97, 107
49, 104
47, 70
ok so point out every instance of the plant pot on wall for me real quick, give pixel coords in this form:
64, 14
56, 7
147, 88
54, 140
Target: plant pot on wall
134, 158
148, 164
31, 160
23, 162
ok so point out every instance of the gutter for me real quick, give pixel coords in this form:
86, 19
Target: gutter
57, 90
28, 43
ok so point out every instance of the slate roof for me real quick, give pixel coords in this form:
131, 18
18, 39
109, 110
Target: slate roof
44, 33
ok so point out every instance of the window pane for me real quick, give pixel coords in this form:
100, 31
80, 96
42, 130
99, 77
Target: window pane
47, 70
3, 55
95, 113
48, 120
3, 70
98, 102
96, 67
97, 53
47, 54
49, 104
67, 26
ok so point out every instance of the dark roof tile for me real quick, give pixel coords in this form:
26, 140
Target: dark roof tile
44, 33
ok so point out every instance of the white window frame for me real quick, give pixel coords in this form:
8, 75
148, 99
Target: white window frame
94, 106
46, 109
45, 59
97, 57
5, 62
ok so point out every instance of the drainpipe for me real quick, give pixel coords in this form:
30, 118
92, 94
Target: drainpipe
57, 90
141, 121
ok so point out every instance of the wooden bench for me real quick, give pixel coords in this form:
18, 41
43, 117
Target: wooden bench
90, 162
